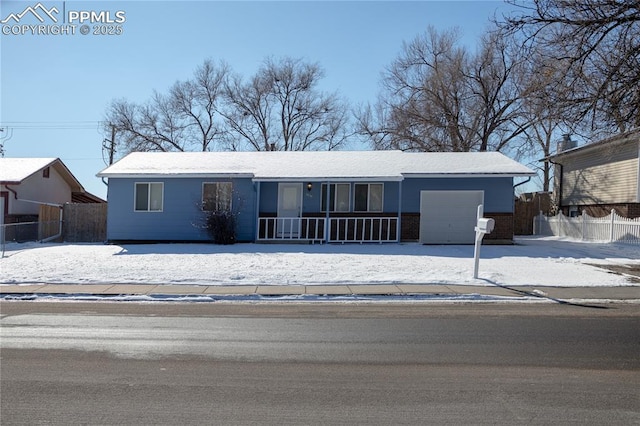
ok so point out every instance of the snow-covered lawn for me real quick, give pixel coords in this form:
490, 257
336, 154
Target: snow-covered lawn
532, 261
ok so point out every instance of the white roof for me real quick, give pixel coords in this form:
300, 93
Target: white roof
315, 165
18, 169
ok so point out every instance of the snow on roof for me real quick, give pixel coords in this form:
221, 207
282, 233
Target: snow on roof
314, 165
18, 169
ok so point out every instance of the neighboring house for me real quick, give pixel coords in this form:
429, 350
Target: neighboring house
335, 196
28, 183
599, 177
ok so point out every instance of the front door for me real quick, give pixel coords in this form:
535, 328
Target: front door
289, 209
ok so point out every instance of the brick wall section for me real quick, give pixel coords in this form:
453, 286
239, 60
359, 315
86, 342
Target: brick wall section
503, 231
410, 227
628, 210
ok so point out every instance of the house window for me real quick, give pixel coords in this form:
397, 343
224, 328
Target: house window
149, 197
339, 195
368, 197
45, 173
216, 196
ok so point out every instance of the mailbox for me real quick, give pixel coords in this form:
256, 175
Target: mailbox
485, 225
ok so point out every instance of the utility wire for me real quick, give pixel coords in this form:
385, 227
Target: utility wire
51, 125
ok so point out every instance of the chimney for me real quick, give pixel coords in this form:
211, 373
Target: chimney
565, 144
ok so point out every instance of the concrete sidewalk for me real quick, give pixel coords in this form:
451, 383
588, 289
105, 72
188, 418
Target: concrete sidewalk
625, 293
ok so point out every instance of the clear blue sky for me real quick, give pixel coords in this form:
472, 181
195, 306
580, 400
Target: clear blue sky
55, 88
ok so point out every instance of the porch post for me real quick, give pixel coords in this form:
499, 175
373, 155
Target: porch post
257, 211
327, 228
399, 226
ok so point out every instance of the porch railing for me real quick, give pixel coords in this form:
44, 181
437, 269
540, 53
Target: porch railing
363, 229
291, 229
340, 230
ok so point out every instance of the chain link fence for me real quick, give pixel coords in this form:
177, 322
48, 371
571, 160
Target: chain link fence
24, 232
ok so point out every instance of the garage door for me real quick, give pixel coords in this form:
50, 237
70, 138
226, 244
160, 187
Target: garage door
449, 217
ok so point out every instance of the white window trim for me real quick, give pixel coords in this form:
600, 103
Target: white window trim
335, 198
368, 210
135, 197
215, 183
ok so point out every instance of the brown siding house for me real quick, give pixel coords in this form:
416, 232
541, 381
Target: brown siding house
600, 176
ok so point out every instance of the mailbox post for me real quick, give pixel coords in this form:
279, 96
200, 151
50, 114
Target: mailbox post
483, 226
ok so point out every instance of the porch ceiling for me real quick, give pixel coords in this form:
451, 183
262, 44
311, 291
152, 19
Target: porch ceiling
330, 179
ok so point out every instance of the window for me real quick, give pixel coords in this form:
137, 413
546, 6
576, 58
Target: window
148, 197
45, 173
339, 194
368, 197
216, 196
574, 211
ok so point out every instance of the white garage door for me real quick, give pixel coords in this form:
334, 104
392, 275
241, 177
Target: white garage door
449, 217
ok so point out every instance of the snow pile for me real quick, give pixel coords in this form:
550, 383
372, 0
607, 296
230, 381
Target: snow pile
532, 261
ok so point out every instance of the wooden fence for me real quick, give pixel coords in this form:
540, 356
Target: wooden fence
611, 228
48, 222
526, 207
85, 222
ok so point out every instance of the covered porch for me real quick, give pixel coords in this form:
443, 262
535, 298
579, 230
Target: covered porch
328, 211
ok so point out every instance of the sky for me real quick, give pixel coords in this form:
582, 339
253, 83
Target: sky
55, 88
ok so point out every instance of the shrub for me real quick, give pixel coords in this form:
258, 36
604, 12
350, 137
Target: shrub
221, 225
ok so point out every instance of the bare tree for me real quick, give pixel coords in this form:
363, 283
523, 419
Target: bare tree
598, 41
498, 82
281, 108
424, 99
249, 113
441, 97
182, 120
546, 117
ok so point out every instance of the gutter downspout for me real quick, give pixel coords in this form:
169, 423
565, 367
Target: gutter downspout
559, 182
522, 183
15, 194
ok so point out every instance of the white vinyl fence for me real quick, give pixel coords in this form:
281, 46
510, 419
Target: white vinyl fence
611, 228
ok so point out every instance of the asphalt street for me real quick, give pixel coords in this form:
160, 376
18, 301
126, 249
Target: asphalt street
128, 363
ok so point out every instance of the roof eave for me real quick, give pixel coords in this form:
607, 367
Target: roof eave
594, 146
468, 175
66, 174
175, 175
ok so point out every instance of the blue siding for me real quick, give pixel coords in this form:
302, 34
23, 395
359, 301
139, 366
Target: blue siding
181, 218
269, 197
498, 191
312, 200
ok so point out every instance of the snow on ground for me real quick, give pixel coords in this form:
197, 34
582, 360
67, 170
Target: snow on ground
548, 261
